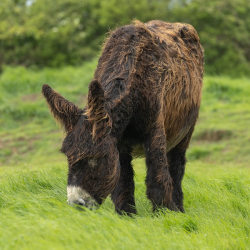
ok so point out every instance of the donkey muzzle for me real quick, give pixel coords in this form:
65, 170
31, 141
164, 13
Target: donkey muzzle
78, 196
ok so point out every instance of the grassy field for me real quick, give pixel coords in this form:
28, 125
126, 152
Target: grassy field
33, 209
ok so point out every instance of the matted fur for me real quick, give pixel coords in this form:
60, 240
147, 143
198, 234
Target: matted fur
64, 111
96, 111
146, 90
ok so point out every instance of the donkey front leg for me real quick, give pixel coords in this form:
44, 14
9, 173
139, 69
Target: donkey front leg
158, 179
123, 194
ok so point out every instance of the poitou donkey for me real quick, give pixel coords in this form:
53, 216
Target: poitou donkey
146, 90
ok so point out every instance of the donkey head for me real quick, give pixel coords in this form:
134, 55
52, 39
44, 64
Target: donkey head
92, 154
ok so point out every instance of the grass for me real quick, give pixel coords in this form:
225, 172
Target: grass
33, 174
34, 215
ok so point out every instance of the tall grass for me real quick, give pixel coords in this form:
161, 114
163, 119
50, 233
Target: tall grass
34, 215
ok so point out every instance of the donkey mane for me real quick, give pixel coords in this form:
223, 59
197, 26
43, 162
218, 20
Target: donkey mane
96, 111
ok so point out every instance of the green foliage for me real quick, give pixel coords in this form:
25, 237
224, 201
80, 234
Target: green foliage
60, 32
42, 34
68, 32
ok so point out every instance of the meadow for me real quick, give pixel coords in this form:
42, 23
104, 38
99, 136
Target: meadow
33, 209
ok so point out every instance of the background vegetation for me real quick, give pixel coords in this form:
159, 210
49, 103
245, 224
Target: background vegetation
68, 32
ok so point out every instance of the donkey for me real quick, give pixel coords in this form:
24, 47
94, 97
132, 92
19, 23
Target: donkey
146, 91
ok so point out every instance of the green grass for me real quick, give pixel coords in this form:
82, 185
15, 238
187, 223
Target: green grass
33, 174
34, 215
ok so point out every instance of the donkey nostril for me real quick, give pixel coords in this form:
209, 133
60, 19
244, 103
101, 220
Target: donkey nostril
80, 202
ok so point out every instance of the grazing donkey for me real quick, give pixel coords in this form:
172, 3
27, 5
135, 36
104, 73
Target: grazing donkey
146, 90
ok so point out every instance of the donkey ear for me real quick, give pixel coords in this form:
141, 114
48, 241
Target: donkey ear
64, 111
96, 112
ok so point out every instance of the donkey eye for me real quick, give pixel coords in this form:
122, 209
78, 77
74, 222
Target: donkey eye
120, 84
92, 162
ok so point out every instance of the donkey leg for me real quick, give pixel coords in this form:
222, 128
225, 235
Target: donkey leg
177, 161
158, 179
123, 194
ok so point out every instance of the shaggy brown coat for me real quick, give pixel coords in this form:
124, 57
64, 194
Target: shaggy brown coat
146, 90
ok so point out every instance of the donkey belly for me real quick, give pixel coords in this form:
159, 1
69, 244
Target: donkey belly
173, 141
178, 123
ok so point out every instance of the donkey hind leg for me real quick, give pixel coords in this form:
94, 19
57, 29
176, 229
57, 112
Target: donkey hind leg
158, 179
123, 194
177, 161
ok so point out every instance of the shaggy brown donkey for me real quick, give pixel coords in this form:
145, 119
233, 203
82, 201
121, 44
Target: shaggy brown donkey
146, 90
